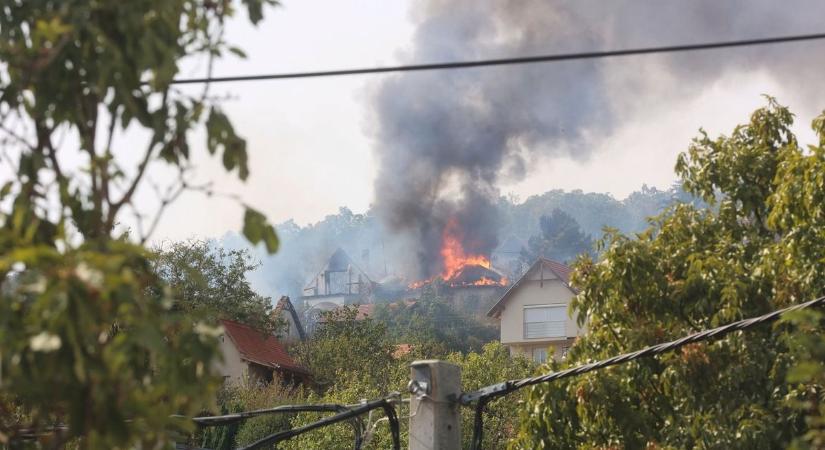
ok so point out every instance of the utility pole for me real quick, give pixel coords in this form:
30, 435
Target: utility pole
435, 419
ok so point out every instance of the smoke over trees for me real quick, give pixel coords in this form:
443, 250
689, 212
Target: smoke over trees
445, 141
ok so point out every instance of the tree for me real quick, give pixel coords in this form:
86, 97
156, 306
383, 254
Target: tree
757, 247
433, 327
492, 365
343, 349
87, 336
211, 281
560, 239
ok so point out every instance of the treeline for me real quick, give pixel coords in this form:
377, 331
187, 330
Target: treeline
381, 252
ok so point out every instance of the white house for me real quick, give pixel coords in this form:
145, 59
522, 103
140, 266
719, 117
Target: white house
533, 313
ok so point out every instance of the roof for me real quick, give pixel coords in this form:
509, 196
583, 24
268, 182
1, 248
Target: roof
472, 273
402, 350
368, 309
339, 261
365, 311
562, 271
260, 348
284, 304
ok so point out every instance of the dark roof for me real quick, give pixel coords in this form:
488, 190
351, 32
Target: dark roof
339, 261
260, 348
471, 273
560, 270
284, 304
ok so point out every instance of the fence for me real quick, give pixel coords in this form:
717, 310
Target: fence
435, 422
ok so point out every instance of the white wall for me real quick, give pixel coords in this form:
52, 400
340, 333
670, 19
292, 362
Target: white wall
233, 368
532, 291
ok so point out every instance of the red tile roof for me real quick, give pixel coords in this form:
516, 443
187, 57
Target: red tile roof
260, 348
365, 311
402, 350
561, 270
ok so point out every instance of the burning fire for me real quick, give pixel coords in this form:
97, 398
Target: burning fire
452, 252
455, 259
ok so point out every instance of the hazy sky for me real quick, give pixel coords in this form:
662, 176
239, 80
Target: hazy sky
311, 149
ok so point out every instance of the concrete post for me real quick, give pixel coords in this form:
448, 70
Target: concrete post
435, 422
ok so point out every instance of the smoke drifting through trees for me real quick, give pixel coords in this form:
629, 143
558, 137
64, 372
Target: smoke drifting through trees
446, 140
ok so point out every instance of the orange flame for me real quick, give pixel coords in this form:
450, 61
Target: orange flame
452, 252
454, 258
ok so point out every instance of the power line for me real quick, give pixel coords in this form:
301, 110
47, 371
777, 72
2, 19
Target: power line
488, 393
508, 61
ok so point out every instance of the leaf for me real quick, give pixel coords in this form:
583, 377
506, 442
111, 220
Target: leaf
237, 52
6, 189
220, 135
257, 229
255, 9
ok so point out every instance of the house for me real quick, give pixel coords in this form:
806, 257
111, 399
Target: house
249, 354
473, 288
293, 331
341, 282
533, 313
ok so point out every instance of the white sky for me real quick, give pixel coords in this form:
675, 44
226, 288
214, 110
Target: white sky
310, 152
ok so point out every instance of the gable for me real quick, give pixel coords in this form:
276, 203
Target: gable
542, 271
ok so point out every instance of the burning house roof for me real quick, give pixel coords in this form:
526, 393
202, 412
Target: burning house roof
461, 268
476, 275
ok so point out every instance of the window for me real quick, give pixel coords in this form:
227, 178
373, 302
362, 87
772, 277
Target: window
544, 321
540, 355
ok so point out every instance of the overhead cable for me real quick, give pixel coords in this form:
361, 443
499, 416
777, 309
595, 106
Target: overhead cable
508, 61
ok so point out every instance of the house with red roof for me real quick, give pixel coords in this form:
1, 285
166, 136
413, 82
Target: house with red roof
534, 314
252, 355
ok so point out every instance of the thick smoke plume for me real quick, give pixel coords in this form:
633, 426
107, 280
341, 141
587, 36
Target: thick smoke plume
445, 140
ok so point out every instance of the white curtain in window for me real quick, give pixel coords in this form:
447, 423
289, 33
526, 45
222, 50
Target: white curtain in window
544, 321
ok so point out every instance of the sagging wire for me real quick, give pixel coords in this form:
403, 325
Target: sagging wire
384, 403
371, 427
486, 394
226, 419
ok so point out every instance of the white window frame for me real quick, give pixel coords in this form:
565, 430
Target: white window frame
540, 351
547, 321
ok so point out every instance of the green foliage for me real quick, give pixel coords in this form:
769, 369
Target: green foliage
211, 281
560, 239
88, 335
252, 397
344, 350
756, 249
433, 327
807, 345
492, 365
82, 345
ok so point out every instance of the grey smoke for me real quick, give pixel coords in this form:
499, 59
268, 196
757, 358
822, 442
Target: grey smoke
445, 140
